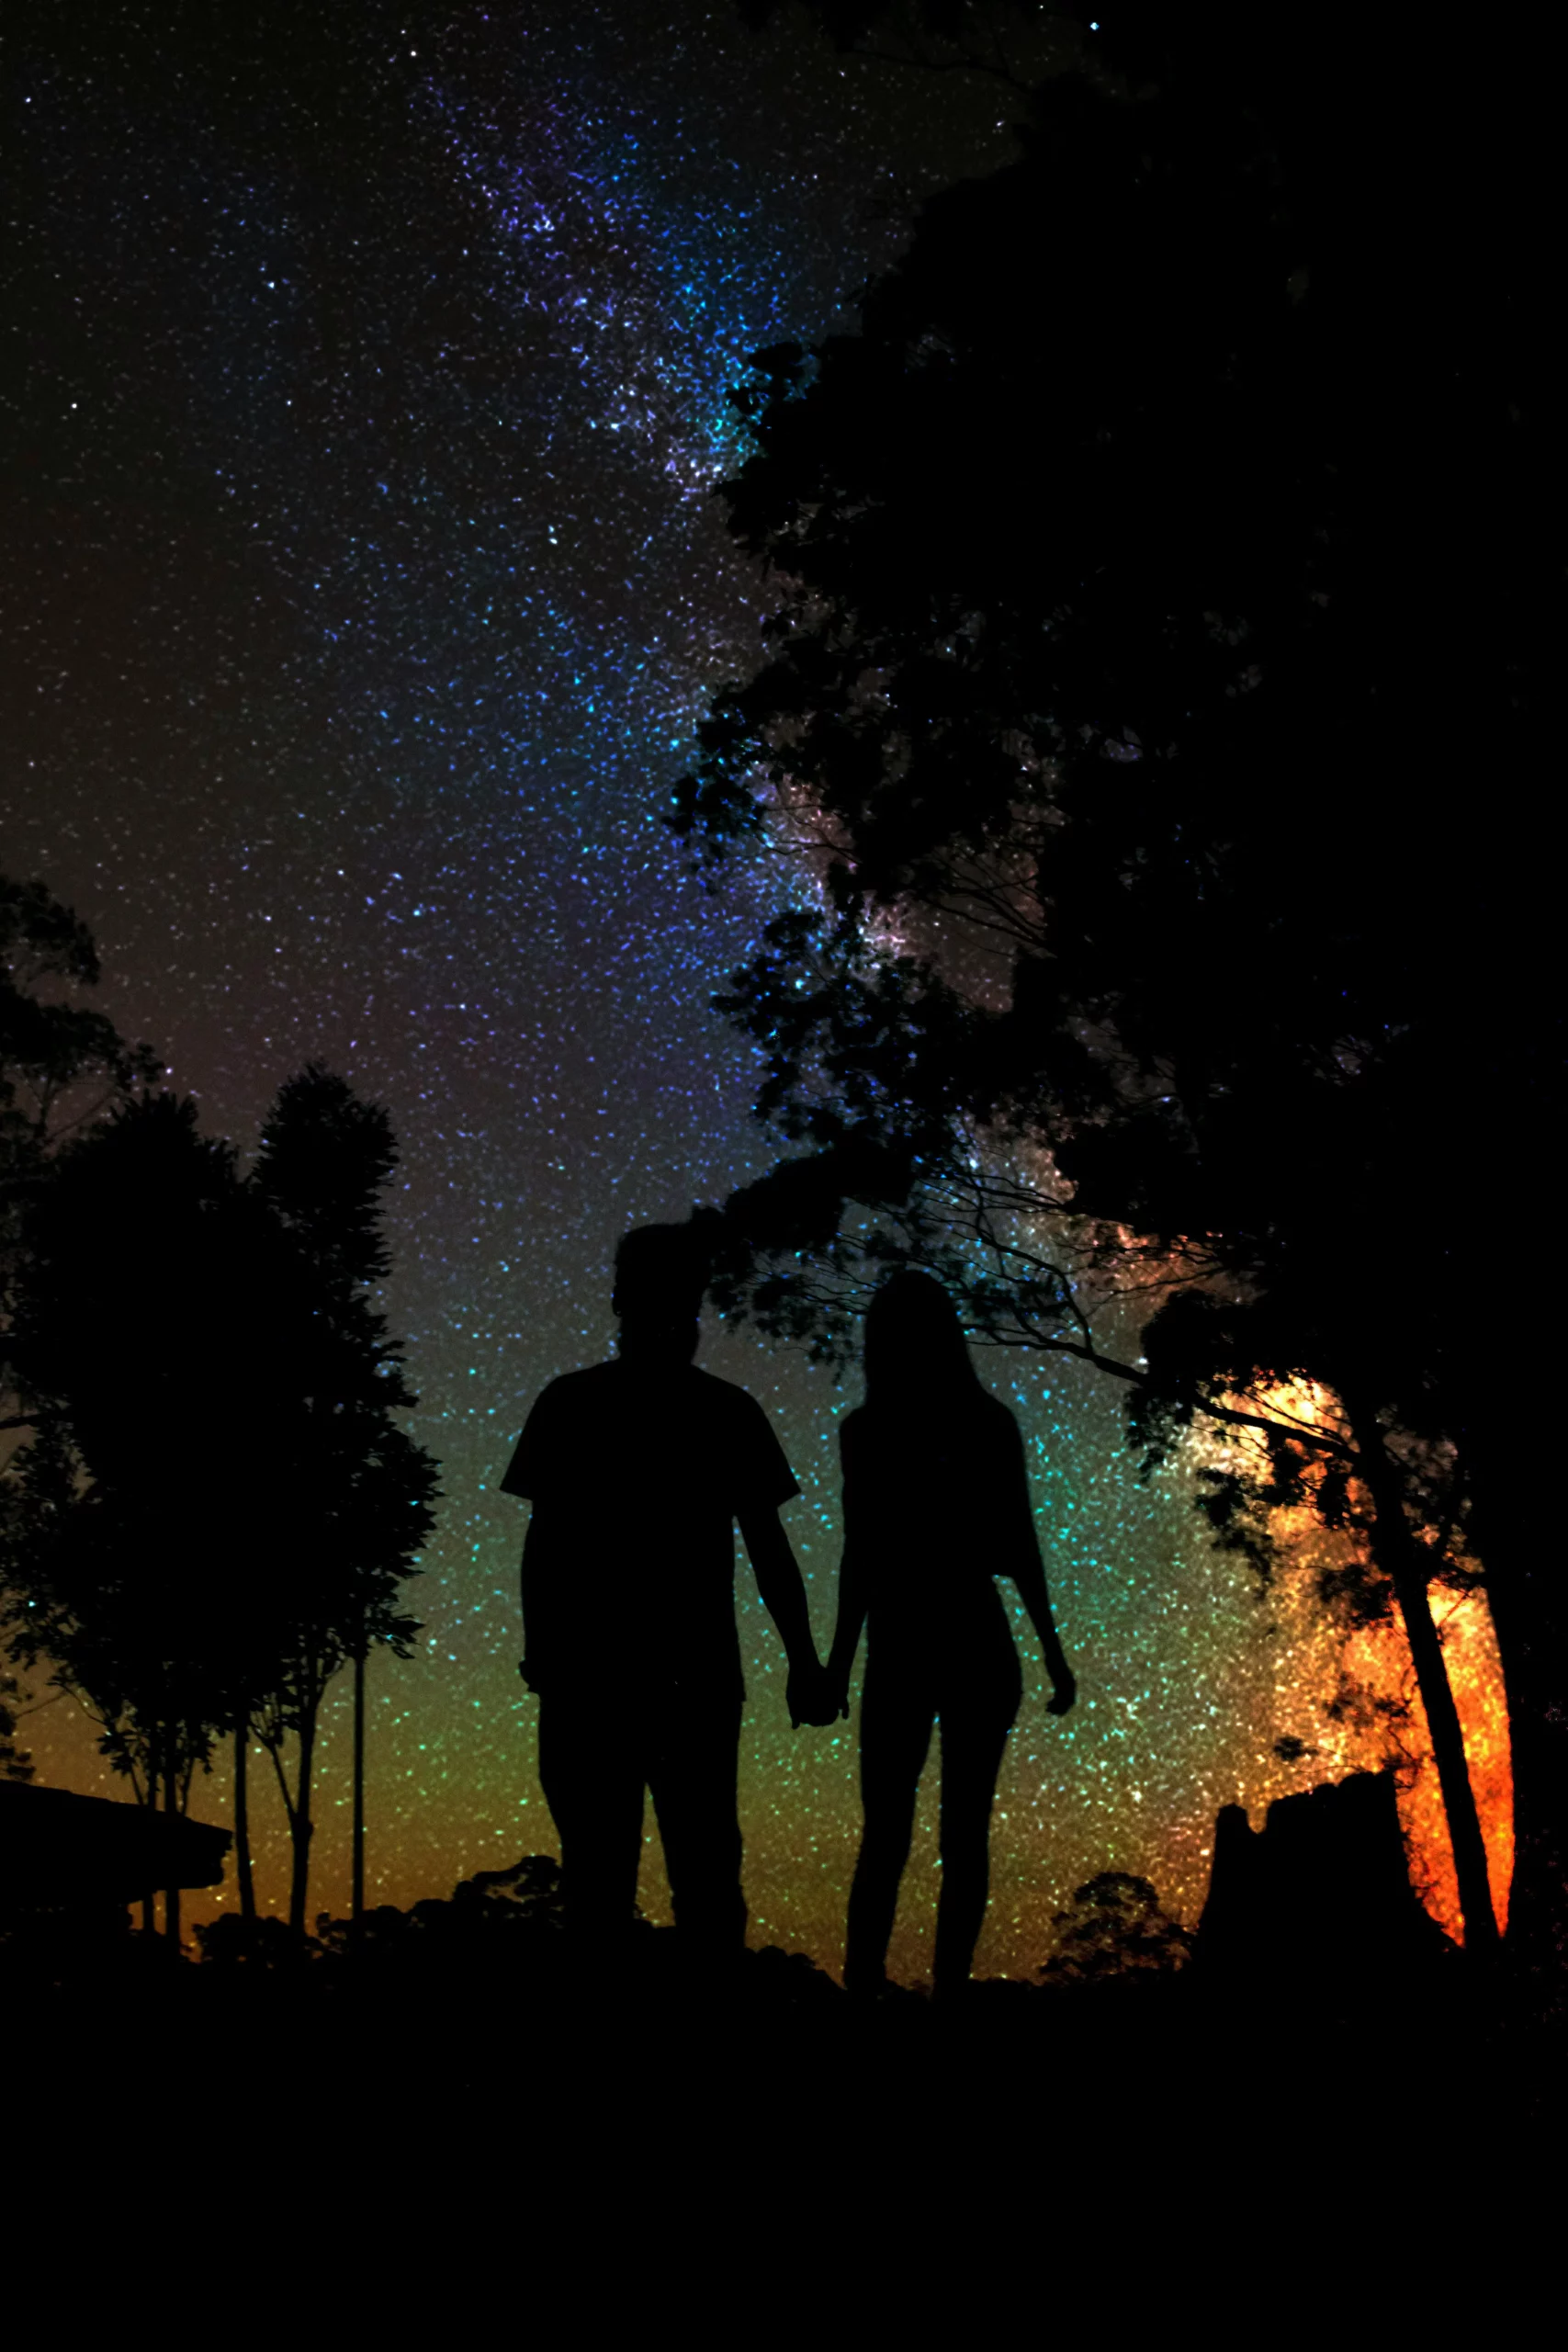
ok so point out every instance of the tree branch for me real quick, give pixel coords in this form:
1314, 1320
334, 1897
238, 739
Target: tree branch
943, 65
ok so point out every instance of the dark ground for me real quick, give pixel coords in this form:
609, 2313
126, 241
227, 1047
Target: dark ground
472, 2025
446, 2123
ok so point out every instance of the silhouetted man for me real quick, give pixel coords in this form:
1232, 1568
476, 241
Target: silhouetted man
636, 1471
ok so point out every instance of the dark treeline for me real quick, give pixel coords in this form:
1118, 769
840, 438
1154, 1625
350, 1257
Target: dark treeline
1167, 591
210, 1506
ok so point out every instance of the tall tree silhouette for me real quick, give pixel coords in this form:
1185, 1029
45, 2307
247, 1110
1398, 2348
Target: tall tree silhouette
215, 1506
63, 1069
1158, 573
362, 1488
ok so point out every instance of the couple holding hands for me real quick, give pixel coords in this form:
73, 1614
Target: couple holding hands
638, 1471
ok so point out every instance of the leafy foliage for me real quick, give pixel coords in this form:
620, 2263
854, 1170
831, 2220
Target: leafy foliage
16, 1763
63, 1063
138, 1338
1155, 580
1106, 696
1099, 752
54, 1050
1114, 1927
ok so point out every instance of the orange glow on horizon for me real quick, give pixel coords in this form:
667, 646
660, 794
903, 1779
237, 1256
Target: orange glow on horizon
1376, 1661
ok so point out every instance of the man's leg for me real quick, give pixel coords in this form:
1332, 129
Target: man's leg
693, 1770
593, 1782
895, 1735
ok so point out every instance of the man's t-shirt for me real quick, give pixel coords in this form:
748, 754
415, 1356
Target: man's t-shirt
636, 1477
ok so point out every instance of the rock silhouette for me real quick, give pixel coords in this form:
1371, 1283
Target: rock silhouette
1321, 1893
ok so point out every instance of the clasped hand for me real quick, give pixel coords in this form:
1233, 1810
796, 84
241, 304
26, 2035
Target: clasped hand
813, 1696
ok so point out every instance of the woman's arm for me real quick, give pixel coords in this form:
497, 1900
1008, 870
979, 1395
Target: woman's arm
1030, 1577
847, 1632
1028, 1572
854, 1590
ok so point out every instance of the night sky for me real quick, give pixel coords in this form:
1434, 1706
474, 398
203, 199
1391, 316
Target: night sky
365, 392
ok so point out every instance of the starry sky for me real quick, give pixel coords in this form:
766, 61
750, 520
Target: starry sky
365, 392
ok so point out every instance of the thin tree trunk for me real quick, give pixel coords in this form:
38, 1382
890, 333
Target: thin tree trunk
171, 1805
243, 1819
1514, 1532
1400, 1554
300, 1825
1529, 1615
356, 1896
147, 1795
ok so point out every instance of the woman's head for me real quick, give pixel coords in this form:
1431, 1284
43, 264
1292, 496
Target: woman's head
914, 1351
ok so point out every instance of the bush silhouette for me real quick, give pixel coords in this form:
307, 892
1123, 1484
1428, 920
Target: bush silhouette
1115, 1926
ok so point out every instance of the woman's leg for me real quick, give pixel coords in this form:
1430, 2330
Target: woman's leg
973, 1737
895, 1736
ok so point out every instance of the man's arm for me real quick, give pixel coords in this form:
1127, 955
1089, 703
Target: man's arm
536, 1642
530, 1457
783, 1597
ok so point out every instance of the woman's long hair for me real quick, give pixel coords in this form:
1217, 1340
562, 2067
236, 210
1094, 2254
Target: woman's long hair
916, 1357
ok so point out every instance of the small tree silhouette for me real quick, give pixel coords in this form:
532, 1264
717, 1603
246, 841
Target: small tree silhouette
1114, 1927
16, 1763
62, 1064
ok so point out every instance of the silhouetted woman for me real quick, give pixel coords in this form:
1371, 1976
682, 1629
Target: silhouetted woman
936, 1506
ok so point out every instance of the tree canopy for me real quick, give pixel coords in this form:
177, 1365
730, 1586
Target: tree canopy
139, 1340
1156, 701
62, 1062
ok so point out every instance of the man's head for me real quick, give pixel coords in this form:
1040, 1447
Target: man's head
662, 1272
